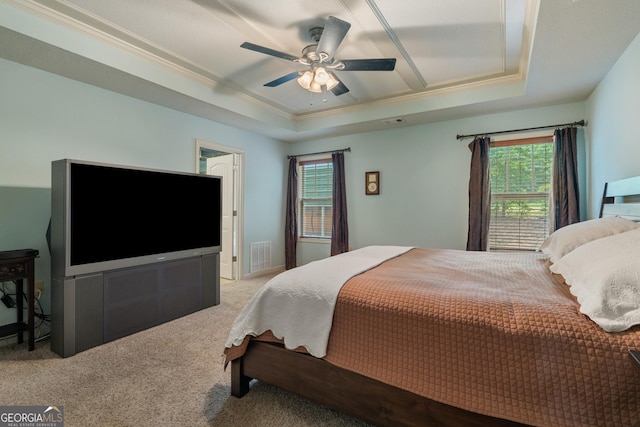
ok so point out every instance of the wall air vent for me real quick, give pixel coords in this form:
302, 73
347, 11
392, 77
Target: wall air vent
260, 256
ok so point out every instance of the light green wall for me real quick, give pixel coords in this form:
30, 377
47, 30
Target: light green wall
44, 117
424, 169
613, 134
424, 172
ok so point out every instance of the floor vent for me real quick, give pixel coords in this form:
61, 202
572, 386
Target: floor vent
260, 256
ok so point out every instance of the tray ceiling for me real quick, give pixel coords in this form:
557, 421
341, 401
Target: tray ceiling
455, 58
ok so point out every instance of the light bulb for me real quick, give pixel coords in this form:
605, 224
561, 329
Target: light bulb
305, 79
315, 87
331, 82
321, 76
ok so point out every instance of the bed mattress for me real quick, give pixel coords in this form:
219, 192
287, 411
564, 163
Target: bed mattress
492, 333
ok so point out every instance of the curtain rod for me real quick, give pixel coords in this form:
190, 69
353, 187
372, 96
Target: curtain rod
342, 150
580, 123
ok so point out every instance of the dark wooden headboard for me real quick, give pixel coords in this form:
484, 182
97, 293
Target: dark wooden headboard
621, 198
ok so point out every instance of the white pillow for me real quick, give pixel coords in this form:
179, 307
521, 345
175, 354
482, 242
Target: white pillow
567, 238
604, 275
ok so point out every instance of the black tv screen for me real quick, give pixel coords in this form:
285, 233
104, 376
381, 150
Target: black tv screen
117, 213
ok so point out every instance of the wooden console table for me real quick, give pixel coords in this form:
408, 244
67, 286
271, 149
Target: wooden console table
16, 266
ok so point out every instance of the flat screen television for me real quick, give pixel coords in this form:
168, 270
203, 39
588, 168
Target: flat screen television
106, 217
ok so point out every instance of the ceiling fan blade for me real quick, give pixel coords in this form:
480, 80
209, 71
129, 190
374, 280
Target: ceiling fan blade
283, 79
268, 51
339, 89
334, 32
382, 64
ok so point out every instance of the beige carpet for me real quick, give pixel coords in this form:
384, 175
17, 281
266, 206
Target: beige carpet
170, 375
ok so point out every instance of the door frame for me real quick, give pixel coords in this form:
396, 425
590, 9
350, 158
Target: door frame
238, 189
225, 165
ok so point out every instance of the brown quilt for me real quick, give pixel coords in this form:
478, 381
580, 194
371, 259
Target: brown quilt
493, 333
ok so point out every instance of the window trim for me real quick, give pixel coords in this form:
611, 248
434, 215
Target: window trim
313, 159
522, 141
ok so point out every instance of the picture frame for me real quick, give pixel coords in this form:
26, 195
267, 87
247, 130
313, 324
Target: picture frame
372, 183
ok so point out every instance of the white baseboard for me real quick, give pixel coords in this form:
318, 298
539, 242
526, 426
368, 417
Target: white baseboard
265, 272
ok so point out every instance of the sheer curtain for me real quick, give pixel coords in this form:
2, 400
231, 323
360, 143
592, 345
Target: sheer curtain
340, 228
291, 217
479, 195
564, 185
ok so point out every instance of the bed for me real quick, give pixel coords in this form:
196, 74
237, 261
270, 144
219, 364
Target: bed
448, 338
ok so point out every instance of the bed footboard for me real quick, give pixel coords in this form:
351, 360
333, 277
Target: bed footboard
345, 391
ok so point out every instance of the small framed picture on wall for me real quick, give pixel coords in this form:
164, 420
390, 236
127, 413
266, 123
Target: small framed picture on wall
372, 183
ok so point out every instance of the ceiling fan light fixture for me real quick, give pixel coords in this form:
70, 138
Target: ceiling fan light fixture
316, 79
320, 60
305, 79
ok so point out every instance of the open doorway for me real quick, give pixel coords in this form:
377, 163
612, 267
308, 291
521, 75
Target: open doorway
215, 159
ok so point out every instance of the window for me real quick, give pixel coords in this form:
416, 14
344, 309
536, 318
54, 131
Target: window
520, 184
315, 197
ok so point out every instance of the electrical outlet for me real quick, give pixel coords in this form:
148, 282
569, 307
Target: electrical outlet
39, 288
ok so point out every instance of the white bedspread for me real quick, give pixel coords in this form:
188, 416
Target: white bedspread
298, 304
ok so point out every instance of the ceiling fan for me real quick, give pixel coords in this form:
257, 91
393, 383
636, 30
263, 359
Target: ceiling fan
319, 58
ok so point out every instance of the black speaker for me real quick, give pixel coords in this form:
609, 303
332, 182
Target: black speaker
131, 301
89, 312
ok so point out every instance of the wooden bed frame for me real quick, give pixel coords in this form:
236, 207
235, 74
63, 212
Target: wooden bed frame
370, 400
345, 391
621, 198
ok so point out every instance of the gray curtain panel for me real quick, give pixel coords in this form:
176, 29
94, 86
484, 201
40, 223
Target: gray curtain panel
291, 217
564, 185
340, 229
479, 195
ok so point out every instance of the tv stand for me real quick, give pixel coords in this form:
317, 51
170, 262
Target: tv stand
93, 309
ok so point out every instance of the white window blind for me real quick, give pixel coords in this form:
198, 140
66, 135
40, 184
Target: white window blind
315, 193
520, 185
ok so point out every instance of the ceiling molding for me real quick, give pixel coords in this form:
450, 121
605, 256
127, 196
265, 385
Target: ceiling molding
98, 29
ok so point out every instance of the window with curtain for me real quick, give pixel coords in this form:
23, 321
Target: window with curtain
520, 173
315, 198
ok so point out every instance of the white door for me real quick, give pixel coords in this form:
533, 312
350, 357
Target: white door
224, 166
